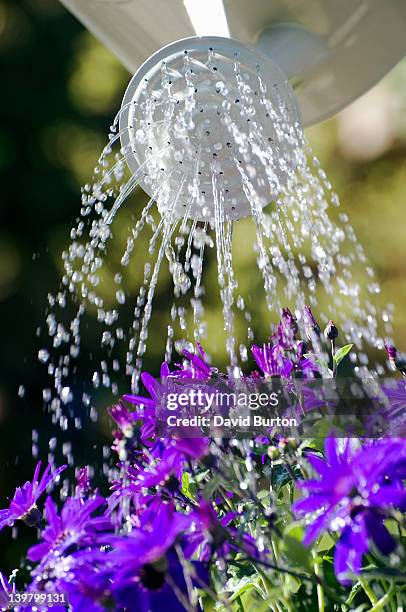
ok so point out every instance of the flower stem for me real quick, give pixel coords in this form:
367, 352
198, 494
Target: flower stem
319, 573
333, 352
369, 592
380, 605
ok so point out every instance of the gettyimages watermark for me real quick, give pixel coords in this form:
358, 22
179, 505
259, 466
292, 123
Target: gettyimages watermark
249, 407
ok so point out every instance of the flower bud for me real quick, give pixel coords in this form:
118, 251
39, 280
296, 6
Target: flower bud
293, 443
282, 444
33, 517
391, 351
311, 326
289, 321
273, 452
393, 355
331, 332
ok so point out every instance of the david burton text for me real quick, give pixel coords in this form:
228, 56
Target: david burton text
217, 420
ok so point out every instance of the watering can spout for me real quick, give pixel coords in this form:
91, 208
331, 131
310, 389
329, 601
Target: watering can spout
294, 48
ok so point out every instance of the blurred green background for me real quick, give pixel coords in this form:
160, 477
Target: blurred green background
60, 91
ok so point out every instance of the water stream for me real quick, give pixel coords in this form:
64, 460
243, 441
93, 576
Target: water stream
218, 142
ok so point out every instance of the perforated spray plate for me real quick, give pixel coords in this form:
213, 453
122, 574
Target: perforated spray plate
206, 119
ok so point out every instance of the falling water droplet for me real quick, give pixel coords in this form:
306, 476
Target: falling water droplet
43, 355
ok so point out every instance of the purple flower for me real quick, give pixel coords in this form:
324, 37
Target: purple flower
356, 489
127, 496
212, 535
148, 574
132, 436
170, 461
74, 526
311, 326
272, 361
391, 351
197, 366
286, 330
290, 351
6, 589
162, 467
23, 505
159, 585
161, 471
83, 486
154, 389
288, 321
88, 584
303, 364
397, 362
160, 527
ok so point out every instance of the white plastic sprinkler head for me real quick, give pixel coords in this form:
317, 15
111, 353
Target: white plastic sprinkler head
207, 118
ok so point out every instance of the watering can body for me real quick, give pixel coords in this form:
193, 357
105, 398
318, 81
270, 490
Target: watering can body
331, 50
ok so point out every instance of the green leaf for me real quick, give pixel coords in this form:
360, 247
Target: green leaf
326, 543
244, 585
211, 487
185, 484
293, 548
280, 475
263, 494
341, 353
188, 486
317, 360
385, 573
273, 595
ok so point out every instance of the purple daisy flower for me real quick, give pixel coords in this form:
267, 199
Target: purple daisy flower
272, 360
127, 498
169, 460
286, 330
303, 364
136, 430
352, 496
23, 505
160, 526
162, 467
161, 471
159, 585
74, 526
212, 535
88, 584
6, 589
197, 366
155, 390
289, 321
148, 575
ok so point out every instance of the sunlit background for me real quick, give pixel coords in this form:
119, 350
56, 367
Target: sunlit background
60, 91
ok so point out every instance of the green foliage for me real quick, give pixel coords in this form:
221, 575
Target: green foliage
341, 353
292, 546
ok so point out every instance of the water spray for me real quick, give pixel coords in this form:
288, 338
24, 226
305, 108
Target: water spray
211, 128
